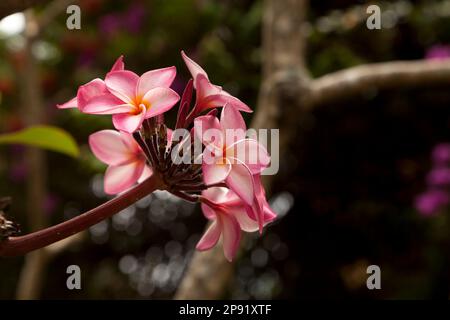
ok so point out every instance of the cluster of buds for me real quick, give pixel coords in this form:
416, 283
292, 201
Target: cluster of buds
204, 159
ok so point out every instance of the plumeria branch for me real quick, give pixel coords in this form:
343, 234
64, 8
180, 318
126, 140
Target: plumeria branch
385, 75
14, 246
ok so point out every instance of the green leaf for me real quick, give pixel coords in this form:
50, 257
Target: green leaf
46, 137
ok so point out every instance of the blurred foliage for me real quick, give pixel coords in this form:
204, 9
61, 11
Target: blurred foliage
46, 137
346, 187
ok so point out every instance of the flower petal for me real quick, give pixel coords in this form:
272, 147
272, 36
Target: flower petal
160, 100
210, 237
216, 195
207, 129
72, 103
128, 122
204, 87
105, 104
156, 78
231, 235
231, 118
120, 178
240, 180
146, 173
193, 67
221, 99
250, 152
122, 84
118, 65
108, 147
215, 173
239, 211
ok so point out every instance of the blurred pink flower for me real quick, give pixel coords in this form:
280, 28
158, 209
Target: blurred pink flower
438, 52
126, 160
110, 24
430, 202
439, 177
441, 153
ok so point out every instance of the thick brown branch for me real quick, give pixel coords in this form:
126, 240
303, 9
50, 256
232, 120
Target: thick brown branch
376, 76
20, 245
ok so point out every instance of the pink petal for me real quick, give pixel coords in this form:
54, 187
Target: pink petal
215, 173
106, 104
156, 78
208, 212
204, 87
108, 147
216, 195
208, 130
72, 103
128, 122
250, 152
160, 100
120, 178
219, 100
131, 143
210, 237
193, 67
240, 180
146, 173
231, 118
231, 235
118, 65
245, 222
122, 84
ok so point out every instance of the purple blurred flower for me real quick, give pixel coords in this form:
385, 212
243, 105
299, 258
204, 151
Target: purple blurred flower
110, 24
439, 177
441, 153
86, 58
430, 202
134, 17
438, 52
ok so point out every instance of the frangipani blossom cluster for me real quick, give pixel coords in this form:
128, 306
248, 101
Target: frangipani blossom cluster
227, 180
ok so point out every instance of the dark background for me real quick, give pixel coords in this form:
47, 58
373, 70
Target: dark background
346, 188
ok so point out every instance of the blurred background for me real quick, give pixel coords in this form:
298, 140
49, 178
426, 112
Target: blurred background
354, 186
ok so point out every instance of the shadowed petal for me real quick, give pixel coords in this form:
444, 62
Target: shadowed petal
108, 147
215, 173
210, 237
240, 180
120, 178
231, 235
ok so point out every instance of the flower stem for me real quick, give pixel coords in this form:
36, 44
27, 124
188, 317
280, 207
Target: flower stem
15, 246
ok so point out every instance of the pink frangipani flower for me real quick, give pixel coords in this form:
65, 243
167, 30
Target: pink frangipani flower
228, 155
229, 216
133, 99
91, 89
208, 94
125, 159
